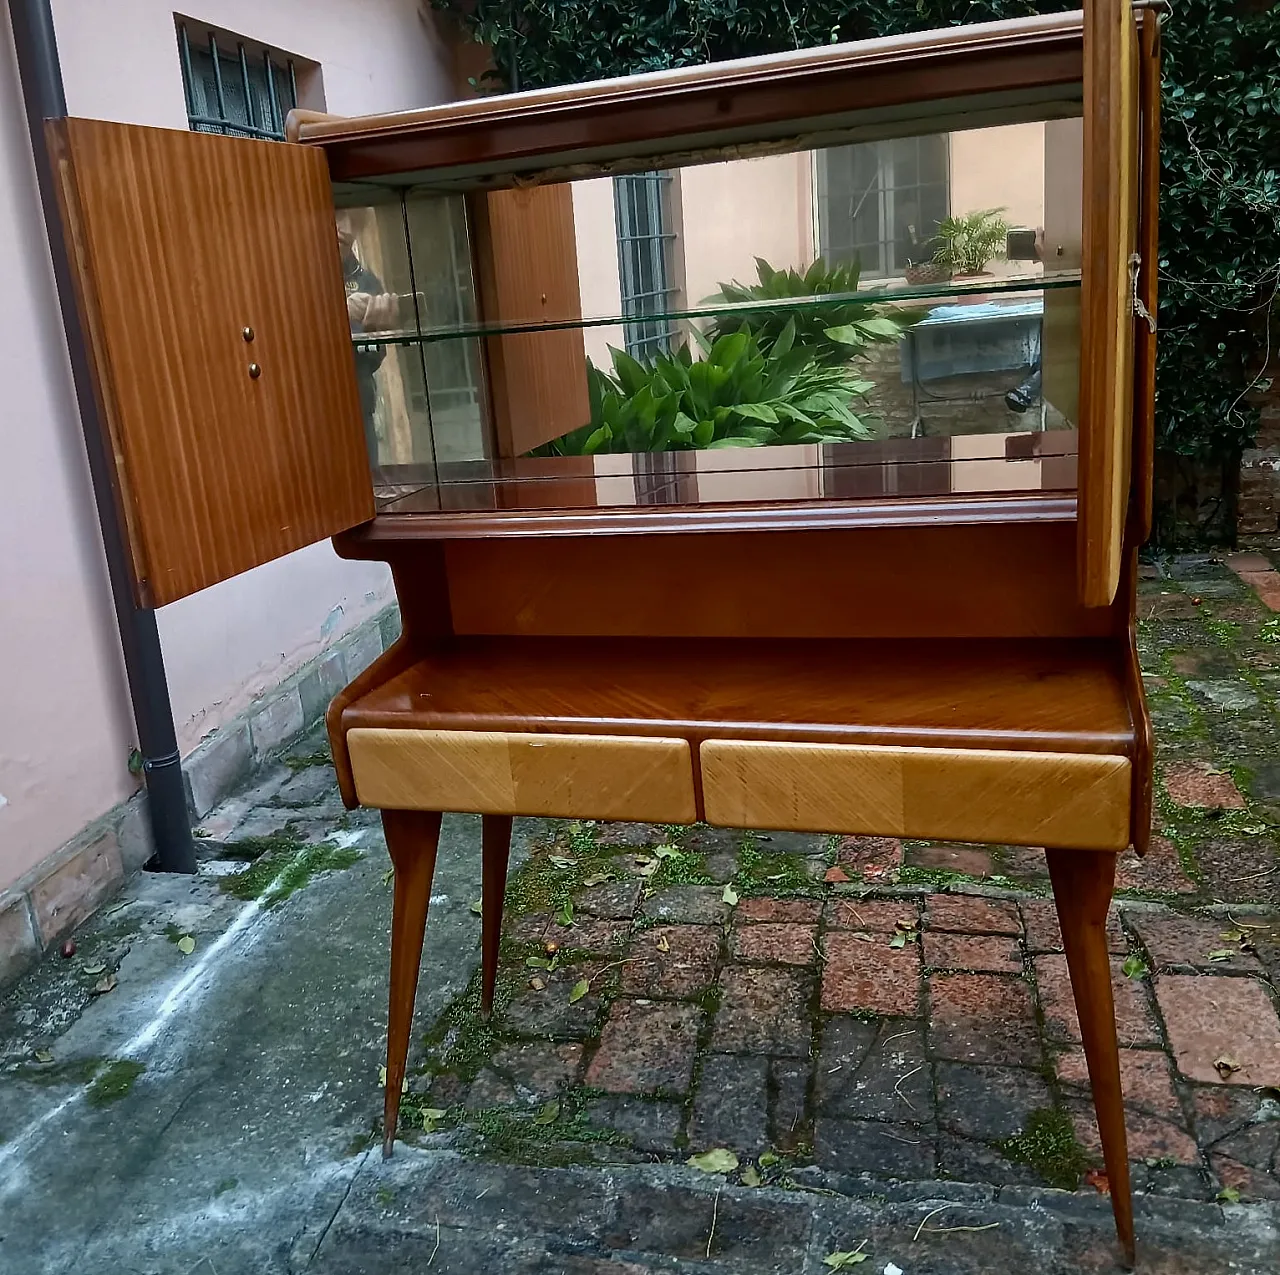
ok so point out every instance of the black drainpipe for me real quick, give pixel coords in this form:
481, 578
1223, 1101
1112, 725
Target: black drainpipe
43, 96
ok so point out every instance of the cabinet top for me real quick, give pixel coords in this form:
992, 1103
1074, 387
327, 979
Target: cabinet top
994, 72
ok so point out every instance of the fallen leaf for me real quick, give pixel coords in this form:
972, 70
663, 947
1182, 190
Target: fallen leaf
646, 866
476, 907
96, 967
664, 943
382, 1081
834, 875
751, 1176
537, 962
1226, 1066
842, 1261
186, 945
1232, 936
891, 1269
429, 1117
563, 861
537, 983
1229, 1195
565, 915
863, 936
719, 1160
1135, 967
548, 1113
769, 1159
730, 896
388, 876
665, 852
898, 940
1099, 1181
1220, 954
105, 985
580, 989
44, 1055
598, 878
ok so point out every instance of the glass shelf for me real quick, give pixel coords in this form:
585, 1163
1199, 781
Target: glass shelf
897, 293
1030, 463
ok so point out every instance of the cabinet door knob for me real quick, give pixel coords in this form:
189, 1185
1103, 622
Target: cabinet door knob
254, 371
247, 333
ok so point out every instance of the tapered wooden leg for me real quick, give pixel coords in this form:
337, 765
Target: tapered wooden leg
495, 841
1083, 882
412, 839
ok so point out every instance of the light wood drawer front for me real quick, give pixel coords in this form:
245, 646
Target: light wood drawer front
1067, 800
508, 773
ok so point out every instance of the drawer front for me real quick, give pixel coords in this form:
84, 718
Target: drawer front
509, 773
1067, 800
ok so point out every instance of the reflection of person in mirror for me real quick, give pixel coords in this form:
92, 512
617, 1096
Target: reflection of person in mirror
370, 308
1027, 395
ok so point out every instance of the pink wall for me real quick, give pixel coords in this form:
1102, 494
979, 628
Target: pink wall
65, 727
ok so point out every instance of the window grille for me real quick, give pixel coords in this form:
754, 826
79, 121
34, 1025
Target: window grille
881, 202
642, 212
236, 93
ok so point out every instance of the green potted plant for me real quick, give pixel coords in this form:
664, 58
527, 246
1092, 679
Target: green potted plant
969, 242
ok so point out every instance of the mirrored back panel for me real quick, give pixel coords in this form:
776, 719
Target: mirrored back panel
883, 317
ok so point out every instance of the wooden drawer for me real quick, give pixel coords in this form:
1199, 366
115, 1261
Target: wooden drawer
509, 773
1068, 800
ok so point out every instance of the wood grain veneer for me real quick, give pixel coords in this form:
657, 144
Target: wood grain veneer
505, 773
1007, 797
1051, 696
1111, 184
946, 581
954, 66
528, 272
180, 241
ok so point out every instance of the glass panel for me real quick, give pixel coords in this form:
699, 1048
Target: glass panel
422, 402
833, 323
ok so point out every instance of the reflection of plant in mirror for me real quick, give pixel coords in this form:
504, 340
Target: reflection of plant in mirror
737, 396
859, 323
969, 242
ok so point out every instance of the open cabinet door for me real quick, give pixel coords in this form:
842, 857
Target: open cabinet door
210, 288
1111, 189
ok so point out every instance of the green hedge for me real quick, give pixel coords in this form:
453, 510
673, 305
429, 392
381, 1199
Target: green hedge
1220, 207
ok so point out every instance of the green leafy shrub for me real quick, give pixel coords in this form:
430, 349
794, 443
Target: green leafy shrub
856, 324
737, 396
969, 242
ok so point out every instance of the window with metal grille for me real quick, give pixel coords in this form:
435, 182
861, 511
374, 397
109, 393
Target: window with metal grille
234, 92
881, 202
642, 212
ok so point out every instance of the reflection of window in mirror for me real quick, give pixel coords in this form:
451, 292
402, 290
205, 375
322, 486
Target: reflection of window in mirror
881, 203
646, 222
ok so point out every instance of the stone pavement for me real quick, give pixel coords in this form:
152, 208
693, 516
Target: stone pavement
876, 1037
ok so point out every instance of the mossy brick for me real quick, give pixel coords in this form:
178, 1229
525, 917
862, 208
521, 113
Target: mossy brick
76, 887
646, 1047
731, 1105
983, 1018
276, 722
218, 767
18, 945
869, 976
873, 1069
763, 1010
320, 684
1135, 1024
988, 1103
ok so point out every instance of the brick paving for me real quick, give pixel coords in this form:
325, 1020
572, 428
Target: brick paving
911, 1014
874, 1044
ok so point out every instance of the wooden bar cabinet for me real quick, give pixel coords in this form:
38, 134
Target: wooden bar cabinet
678, 536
